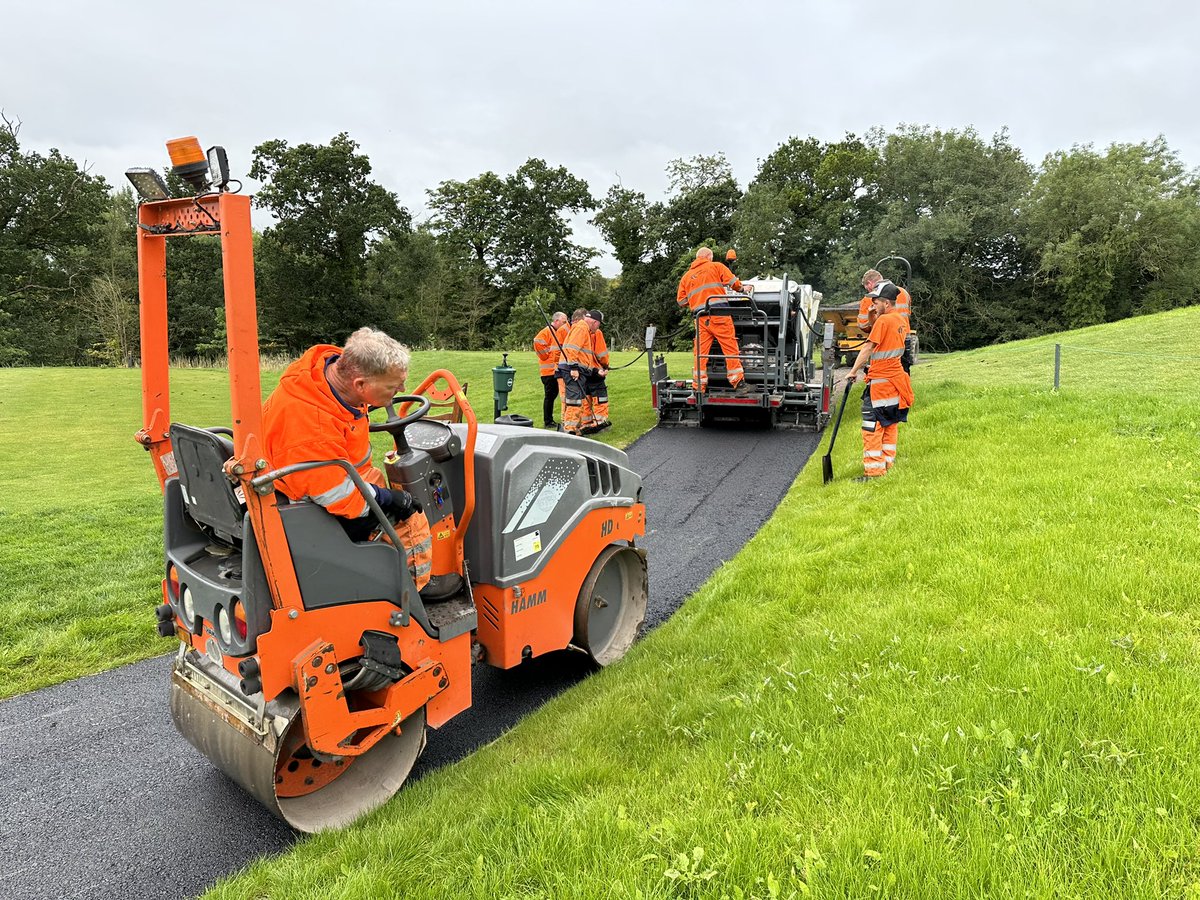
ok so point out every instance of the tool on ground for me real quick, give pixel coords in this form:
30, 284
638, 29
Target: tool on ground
309, 665
827, 459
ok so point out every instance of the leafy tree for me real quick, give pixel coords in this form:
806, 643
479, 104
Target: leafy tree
48, 208
329, 214
626, 221
948, 202
515, 231
525, 319
656, 242
1115, 233
110, 300
808, 200
535, 242
469, 218
703, 196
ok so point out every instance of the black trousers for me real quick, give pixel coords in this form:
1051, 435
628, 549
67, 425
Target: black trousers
550, 402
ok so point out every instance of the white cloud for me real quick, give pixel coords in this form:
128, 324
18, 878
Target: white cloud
609, 90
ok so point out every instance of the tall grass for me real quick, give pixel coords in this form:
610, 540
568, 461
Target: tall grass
973, 678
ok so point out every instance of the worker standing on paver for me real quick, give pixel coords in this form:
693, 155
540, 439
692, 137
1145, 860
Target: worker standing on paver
546, 345
703, 280
596, 387
888, 395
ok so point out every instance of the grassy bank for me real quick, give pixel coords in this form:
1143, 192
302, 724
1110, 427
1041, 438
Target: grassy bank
972, 679
81, 513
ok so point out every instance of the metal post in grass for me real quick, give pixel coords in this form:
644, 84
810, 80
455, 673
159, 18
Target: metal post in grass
1057, 363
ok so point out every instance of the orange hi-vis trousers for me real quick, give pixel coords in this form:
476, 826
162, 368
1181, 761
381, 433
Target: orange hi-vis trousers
879, 447
597, 400
720, 329
577, 406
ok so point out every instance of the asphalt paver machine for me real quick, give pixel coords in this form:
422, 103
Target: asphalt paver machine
309, 665
777, 332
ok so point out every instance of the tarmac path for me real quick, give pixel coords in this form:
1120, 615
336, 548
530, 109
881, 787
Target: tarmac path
102, 797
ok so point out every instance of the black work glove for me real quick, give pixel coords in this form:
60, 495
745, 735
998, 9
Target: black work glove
396, 502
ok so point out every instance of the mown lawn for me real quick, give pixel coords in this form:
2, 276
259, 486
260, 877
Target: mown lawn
976, 678
81, 514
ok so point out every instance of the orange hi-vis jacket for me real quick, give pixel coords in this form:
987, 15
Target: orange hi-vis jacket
903, 305
303, 420
579, 348
600, 349
705, 278
545, 345
888, 382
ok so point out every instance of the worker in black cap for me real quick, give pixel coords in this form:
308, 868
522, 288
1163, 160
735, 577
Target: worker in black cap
595, 385
584, 366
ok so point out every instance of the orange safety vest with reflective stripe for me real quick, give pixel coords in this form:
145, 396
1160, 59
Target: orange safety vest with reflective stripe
578, 347
546, 348
705, 278
303, 420
600, 349
889, 383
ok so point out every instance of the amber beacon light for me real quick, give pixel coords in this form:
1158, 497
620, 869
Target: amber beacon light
189, 162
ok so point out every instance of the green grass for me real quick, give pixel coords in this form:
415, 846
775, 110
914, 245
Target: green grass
81, 514
975, 678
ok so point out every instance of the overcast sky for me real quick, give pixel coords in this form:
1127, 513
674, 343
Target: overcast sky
610, 90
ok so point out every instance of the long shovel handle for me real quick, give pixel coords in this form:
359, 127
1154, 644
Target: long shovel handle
838, 422
827, 459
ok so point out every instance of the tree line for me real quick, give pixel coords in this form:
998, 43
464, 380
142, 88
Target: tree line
1000, 248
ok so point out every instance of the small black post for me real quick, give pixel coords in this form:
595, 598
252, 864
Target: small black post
1057, 363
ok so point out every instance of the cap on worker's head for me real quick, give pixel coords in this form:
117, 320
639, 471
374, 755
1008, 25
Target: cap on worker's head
595, 314
730, 255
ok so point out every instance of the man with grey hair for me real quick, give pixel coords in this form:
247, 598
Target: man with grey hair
547, 344
319, 411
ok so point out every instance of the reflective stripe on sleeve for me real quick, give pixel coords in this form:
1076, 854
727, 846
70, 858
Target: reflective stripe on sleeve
334, 494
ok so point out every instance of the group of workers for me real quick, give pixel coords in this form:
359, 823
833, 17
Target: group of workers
883, 313
320, 408
573, 362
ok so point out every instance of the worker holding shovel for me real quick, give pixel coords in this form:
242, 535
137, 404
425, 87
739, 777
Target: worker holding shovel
889, 393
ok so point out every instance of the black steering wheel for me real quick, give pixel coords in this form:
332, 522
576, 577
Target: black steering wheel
395, 425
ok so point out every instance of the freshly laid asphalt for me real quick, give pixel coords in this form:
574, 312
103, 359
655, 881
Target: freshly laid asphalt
103, 798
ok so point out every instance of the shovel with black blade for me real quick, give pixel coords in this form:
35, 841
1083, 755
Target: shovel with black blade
827, 459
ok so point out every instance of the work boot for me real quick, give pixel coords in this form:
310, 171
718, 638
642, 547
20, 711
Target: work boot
742, 389
600, 426
864, 479
551, 424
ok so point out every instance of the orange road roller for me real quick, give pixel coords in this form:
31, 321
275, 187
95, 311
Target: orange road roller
310, 666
